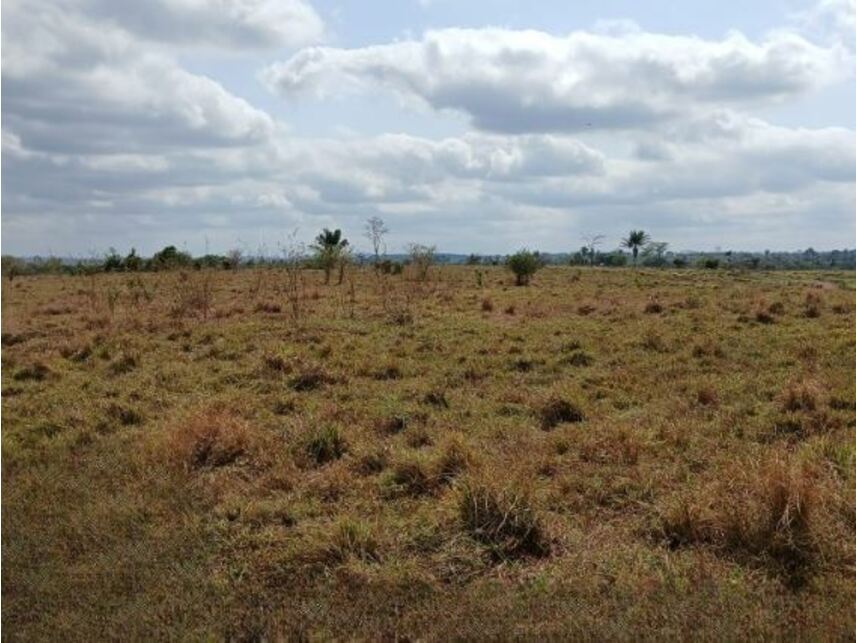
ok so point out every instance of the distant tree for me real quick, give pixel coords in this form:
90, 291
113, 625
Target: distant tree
523, 264
112, 261
474, 260
132, 262
375, 231
233, 259
170, 257
635, 240
328, 248
422, 257
653, 253
590, 249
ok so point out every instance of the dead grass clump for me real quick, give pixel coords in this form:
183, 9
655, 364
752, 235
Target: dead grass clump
418, 438
764, 316
325, 445
558, 411
36, 372
10, 339
388, 372
76, 352
352, 539
812, 305
284, 407
267, 307
578, 358
586, 309
436, 398
653, 307
653, 341
211, 438
487, 305
706, 396
310, 379
393, 424
454, 459
504, 520
510, 309
372, 462
275, 363
707, 348
123, 364
410, 477
777, 308
801, 396
126, 416
767, 515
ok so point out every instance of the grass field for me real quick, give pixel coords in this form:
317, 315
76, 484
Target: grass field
604, 454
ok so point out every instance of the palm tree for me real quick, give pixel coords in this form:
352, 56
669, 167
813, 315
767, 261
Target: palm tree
329, 247
636, 239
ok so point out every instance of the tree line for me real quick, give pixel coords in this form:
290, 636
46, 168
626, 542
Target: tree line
332, 253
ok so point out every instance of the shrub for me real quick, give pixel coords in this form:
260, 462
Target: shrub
523, 264
503, 520
325, 445
487, 305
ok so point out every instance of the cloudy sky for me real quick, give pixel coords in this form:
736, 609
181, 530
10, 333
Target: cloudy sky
478, 126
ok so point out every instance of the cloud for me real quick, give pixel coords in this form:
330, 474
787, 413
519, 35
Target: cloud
516, 81
74, 84
221, 24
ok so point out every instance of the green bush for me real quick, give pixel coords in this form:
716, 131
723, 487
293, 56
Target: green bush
524, 264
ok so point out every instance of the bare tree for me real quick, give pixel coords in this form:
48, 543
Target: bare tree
294, 254
375, 231
592, 241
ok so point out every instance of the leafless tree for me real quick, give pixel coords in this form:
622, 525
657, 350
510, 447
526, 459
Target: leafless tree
592, 241
375, 231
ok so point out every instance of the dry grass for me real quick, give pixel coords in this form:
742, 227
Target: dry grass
605, 454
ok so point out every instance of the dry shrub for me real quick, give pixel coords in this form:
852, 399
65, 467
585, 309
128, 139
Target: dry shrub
504, 520
769, 513
487, 305
210, 438
558, 411
510, 309
777, 308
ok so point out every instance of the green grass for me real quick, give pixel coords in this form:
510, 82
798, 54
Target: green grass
602, 454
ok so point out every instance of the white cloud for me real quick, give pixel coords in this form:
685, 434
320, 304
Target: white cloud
530, 81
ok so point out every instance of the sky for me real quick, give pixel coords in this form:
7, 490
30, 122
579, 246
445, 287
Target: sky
482, 126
